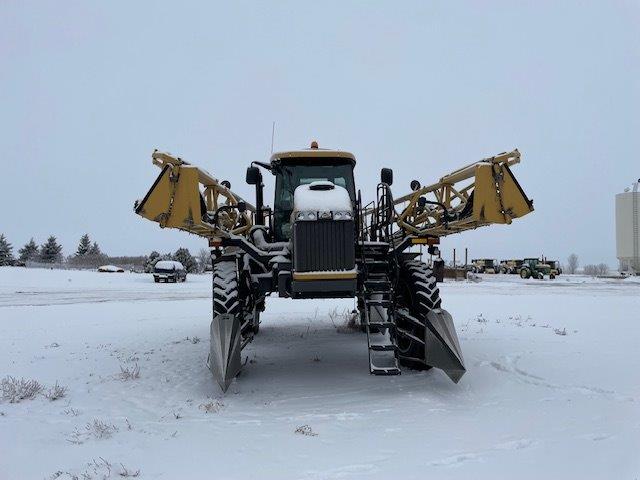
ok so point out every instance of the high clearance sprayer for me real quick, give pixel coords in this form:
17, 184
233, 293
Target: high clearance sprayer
321, 241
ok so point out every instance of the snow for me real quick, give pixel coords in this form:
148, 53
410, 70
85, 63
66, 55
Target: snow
335, 199
534, 403
169, 265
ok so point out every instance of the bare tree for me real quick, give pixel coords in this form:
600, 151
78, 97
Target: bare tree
572, 263
204, 259
594, 270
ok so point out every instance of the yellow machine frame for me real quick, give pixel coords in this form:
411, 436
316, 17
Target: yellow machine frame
494, 193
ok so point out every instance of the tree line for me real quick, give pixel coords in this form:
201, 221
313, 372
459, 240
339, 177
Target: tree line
89, 255
49, 252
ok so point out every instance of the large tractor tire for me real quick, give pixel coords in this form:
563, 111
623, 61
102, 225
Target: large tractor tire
525, 273
232, 294
226, 292
418, 292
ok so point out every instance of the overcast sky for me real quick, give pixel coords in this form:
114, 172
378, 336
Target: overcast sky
89, 89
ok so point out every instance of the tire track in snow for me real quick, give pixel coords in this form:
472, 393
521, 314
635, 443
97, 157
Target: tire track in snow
510, 366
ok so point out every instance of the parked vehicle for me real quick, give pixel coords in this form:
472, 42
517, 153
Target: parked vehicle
110, 269
533, 267
556, 269
510, 266
169, 271
483, 265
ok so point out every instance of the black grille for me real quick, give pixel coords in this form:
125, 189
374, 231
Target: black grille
323, 245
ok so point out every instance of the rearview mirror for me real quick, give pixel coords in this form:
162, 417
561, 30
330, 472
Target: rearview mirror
386, 176
253, 176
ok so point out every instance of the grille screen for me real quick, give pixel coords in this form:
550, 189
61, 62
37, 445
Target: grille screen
323, 245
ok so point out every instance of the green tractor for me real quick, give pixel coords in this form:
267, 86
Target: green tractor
534, 268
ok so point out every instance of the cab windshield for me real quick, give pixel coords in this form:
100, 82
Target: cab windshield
291, 175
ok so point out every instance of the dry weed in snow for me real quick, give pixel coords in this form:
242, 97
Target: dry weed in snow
96, 429
349, 323
56, 392
212, 406
99, 469
306, 430
15, 390
126, 473
130, 373
557, 331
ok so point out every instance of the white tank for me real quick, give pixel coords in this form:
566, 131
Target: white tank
627, 228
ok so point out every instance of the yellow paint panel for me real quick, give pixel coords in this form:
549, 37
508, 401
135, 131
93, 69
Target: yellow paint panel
497, 196
309, 276
514, 199
174, 198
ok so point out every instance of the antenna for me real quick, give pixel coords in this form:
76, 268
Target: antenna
273, 132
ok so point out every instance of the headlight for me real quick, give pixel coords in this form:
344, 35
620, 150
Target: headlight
305, 216
325, 215
342, 216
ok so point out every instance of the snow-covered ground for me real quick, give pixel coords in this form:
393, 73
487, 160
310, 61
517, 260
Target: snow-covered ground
552, 388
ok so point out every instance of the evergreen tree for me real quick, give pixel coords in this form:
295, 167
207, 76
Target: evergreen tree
29, 251
6, 251
51, 251
94, 250
84, 246
183, 256
151, 261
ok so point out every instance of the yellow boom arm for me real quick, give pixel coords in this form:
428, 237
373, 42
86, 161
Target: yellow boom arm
187, 197
481, 193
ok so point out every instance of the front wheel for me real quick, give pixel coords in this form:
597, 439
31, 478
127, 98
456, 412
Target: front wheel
418, 292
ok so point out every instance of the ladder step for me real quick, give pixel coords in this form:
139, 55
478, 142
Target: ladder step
377, 283
379, 342
383, 363
390, 347
377, 302
384, 371
382, 324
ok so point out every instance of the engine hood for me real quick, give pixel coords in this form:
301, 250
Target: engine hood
321, 196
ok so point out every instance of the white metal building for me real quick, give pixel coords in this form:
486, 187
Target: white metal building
627, 229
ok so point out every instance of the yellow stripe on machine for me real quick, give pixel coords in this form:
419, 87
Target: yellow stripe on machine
309, 276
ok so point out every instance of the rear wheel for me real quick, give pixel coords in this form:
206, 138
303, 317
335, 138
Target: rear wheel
417, 292
524, 273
